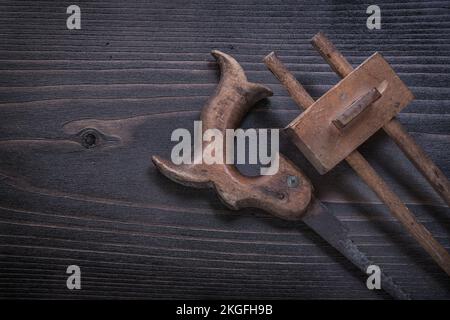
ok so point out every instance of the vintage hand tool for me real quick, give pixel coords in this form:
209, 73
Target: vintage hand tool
287, 194
332, 128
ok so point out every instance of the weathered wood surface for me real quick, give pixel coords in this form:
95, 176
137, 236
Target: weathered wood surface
138, 70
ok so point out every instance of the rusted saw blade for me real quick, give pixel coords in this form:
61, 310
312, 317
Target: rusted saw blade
325, 224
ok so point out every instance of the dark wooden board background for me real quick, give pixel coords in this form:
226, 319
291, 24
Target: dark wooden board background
138, 70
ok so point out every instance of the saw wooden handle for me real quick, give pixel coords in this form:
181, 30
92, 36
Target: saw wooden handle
365, 170
286, 193
393, 128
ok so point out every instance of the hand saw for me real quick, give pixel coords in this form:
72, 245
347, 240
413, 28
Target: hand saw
288, 194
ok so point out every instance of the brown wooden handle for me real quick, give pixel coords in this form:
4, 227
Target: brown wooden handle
286, 194
365, 170
356, 108
394, 129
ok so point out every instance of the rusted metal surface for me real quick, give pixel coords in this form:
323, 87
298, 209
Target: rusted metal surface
332, 230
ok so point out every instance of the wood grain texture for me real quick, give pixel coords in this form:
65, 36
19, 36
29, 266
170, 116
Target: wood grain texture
136, 71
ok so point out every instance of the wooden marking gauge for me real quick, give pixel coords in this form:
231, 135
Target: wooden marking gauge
332, 128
